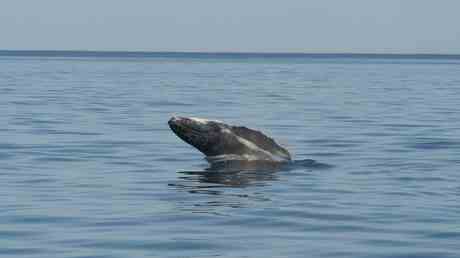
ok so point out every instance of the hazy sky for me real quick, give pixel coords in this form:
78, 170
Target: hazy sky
382, 26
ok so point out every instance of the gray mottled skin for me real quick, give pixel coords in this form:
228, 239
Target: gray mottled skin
221, 142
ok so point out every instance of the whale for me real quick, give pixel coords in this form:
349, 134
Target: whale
221, 142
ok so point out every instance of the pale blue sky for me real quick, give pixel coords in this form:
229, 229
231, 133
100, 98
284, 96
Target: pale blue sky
381, 26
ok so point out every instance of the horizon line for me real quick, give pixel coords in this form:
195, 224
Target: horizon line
6, 52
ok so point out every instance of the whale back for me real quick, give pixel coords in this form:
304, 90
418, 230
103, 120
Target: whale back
262, 141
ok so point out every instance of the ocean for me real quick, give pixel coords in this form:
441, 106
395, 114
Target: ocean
90, 168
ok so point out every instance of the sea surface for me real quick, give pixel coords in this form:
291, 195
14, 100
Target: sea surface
89, 167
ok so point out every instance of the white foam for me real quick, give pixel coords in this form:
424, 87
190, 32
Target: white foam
203, 120
199, 120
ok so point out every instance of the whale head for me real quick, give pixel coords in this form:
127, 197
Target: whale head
200, 133
219, 141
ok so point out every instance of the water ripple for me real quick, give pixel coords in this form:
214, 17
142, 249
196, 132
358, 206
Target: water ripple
89, 167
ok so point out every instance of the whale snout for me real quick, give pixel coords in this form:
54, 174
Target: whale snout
173, 120
178, 121
175, 123
181, 125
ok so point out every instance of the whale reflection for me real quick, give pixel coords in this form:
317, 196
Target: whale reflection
234, 187
243, 174
230, 178
220, 191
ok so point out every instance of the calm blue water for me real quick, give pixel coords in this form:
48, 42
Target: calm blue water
89, 167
